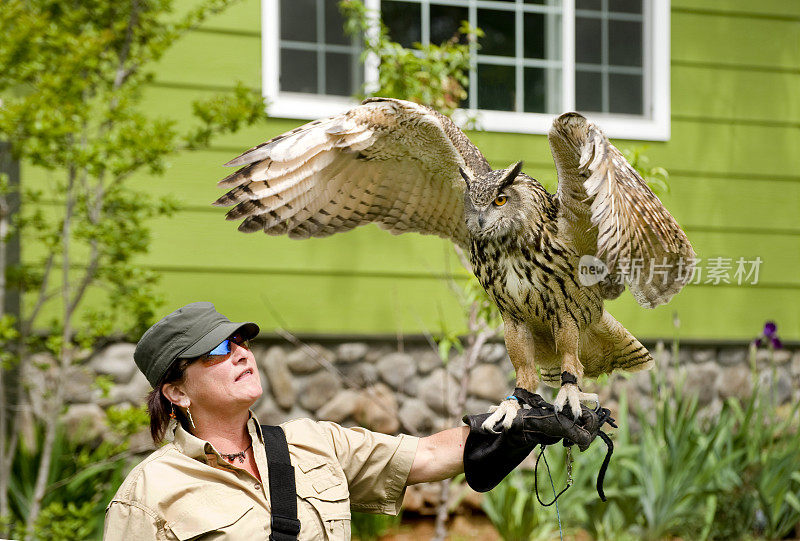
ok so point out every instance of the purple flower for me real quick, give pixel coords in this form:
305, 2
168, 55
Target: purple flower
769, 337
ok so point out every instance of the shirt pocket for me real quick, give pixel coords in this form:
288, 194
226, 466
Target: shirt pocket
206, 518
323, 487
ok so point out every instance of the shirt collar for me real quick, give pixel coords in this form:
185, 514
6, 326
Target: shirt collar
194, 447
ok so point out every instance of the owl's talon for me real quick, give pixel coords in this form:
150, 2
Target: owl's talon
503, 414
572, 395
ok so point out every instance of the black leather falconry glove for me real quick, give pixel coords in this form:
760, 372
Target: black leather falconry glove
489, 457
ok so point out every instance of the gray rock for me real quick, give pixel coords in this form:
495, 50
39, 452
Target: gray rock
84, 423
302, 361
78, 385
39, 376
351, 352
274, 366
275, 416
702, 355
397, 369
318, 389
735, 381
376, 409
766, 358
416, 418
376, 352
777, 384
116, 361
427, 361
340, 407
457, 365
360, 375
478, 405
795, 365
732, 356
492, 353
488, 381
439, 391
267, 411
135, 391
701, 380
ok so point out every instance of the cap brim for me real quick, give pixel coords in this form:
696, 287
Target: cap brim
213, 338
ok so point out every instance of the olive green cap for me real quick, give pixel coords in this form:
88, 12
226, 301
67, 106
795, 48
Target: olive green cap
188, 332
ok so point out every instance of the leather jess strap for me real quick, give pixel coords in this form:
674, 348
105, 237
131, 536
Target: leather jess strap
282, 490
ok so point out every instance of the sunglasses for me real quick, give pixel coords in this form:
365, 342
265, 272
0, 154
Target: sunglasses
225, 347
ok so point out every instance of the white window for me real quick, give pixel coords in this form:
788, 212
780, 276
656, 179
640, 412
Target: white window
606, 58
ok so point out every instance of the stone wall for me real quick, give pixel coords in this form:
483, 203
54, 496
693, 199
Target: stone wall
392, 389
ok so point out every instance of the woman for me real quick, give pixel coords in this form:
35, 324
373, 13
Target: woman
207, 482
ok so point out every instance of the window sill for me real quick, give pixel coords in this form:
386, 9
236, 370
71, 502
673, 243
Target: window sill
312, 106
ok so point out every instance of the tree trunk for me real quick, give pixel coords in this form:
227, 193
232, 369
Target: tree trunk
65, 359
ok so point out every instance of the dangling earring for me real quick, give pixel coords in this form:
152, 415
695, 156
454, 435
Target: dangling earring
172, 413
189, 413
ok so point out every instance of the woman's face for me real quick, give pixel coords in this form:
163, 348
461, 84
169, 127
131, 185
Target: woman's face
223, 381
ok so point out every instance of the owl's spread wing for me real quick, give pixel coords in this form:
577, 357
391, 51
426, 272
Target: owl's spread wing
614, 214
386, 161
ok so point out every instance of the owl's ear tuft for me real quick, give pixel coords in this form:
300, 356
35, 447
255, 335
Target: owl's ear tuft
464, 175
511, 174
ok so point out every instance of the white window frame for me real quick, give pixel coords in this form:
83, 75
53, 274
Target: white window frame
656, 127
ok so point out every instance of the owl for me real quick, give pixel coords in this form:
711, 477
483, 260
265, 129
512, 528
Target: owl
406, 168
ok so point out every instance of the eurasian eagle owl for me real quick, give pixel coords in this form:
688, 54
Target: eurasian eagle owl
408, 168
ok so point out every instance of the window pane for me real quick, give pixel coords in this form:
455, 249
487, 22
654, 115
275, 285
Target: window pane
445, 21
496, 88
334, 24
338, 74
625, 6
535, 90
299, 20
624, 43
403, 20
588, 91
499, 28
533, 24
587, 40
593, 5
625, 94
298, 71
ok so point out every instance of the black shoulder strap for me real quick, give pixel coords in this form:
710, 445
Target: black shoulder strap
282, 491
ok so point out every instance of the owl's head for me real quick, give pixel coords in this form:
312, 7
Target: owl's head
494, 203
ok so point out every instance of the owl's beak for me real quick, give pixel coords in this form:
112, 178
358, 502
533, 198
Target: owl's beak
480, 220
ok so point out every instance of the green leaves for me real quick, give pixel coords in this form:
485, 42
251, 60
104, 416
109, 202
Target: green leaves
72, 77
679, 475
433, 75
225, 113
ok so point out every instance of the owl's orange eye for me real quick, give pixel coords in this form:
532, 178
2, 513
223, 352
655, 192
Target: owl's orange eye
500, 200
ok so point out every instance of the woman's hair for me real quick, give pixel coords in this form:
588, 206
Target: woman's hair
159, 407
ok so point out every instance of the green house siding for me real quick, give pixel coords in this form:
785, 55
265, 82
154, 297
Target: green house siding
734, 176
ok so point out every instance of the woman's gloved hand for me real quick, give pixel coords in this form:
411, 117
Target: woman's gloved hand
489, 457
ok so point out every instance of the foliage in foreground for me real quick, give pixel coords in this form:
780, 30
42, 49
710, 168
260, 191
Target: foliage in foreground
73, 83
731, 477
83, 477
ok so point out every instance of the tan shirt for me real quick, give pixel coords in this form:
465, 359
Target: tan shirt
185, 490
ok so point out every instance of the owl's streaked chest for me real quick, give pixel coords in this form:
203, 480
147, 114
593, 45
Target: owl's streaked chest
530, 281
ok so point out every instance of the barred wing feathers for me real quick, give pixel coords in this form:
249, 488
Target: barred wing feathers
391, 162
614, 212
